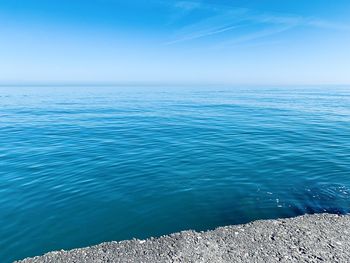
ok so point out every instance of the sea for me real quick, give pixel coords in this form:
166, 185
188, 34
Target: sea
80, 165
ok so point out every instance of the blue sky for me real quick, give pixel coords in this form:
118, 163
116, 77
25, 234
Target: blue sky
156, 41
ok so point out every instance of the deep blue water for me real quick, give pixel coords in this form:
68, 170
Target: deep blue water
83, 165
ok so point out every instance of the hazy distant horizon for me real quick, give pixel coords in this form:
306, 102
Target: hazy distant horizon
165, 84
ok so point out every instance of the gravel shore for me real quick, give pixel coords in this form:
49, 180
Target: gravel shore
309, 238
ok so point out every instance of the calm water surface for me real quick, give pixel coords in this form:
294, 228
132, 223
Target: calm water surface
79, 166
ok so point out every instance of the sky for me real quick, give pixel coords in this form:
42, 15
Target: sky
158, 41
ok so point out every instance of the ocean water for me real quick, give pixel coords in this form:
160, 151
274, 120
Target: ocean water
83, 165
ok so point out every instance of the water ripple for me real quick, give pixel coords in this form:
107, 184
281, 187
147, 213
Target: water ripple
85, 165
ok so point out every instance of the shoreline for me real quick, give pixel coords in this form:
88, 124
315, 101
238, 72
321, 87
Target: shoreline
308, 238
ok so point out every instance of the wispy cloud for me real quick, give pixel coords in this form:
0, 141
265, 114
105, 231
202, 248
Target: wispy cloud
187, 5
253, 36
201, 34
314, 22
224, 21
182, 9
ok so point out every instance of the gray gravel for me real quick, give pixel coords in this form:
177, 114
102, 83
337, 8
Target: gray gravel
310, 238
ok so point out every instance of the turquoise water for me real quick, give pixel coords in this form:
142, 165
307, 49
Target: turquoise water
82, 165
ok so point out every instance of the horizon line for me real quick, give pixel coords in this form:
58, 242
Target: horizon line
153, 83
